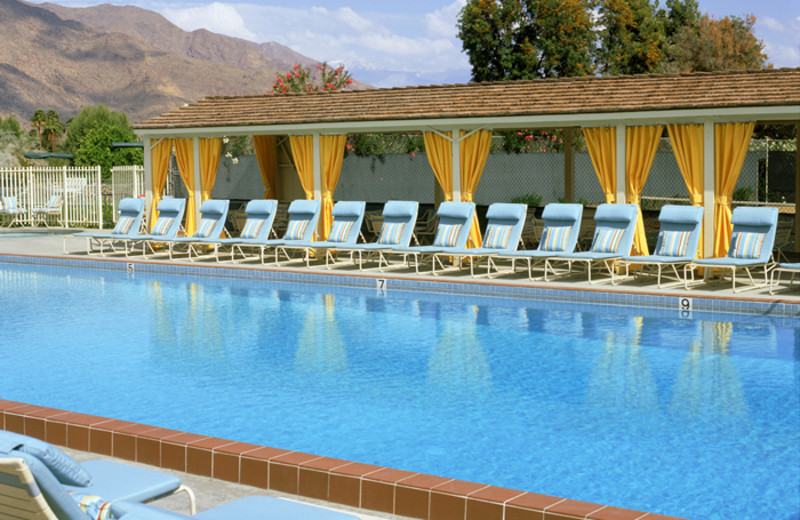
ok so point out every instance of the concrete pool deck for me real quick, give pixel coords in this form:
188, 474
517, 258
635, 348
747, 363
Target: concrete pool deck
222, 470
44, 244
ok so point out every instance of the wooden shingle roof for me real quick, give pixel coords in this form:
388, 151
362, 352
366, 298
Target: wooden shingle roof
562, 96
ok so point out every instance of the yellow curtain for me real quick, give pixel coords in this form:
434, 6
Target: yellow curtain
159, 163
602, 145
687, 144
640, 150
440, 156
184, 152
730, 148
474, 152
331, 149
303, 153
267, 162
209, 164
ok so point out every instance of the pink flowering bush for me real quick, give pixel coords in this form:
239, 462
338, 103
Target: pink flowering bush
301, 79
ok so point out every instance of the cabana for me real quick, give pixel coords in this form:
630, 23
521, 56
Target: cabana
709, 118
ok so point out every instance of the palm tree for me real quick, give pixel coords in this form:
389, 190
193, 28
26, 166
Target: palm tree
39, 118
53, 129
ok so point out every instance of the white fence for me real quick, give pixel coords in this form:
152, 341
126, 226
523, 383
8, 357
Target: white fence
126, 181
33, 186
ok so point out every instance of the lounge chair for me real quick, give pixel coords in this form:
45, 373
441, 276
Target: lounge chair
784, 267
213, 214
256, 229
301, 226
503, 231
750, 248
170, 215
12, 213
52, 210
345, 229
562, 224
129, 223
397, 229
615, 226
251, 508
452, 233
37, 480
676, 247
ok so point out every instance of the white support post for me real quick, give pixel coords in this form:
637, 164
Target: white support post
148, 179
66, 199
317, 175
99, 187
621, 143
198, 191
456, 149
708, 190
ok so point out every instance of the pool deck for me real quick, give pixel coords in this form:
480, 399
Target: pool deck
48, 245
445, 499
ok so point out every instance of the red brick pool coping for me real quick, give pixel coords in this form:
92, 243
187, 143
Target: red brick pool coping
364, 486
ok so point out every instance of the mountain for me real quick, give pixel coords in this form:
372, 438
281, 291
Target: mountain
155, 30
126, 58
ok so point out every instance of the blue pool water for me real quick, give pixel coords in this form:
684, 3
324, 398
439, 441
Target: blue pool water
697, 416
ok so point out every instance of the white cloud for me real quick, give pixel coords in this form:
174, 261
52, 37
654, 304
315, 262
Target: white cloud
360, 39
216, 17
770, 24
442, 22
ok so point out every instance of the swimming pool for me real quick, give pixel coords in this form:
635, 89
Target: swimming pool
640, 408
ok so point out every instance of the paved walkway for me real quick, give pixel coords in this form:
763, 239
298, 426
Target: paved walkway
44, 243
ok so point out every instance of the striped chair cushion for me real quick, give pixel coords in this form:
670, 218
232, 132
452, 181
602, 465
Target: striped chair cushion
447, 235
10, 203
296, 229
54, 202
93, 505
747, 245
251, 228
674, 243
497, 236
123, 226
607, 240
391, 233
206, 227
162, 226
555, 238
340, 230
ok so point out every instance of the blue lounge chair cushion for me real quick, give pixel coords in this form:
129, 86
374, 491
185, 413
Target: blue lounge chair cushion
456, 210
63, 467
674, 214
614, 213
63, 506
563, 211
251, 508
348, 208
93, 505
114, 481
754, 216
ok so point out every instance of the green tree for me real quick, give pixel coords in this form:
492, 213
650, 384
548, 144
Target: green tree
632, 39
527, 39
301, 79
90, 118
96, 149
11, 125
725, 44
39, 118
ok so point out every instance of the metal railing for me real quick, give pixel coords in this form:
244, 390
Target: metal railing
33, 187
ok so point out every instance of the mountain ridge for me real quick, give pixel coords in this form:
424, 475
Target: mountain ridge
61, 58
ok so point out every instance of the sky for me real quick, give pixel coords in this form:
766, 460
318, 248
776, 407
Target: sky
390, 43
